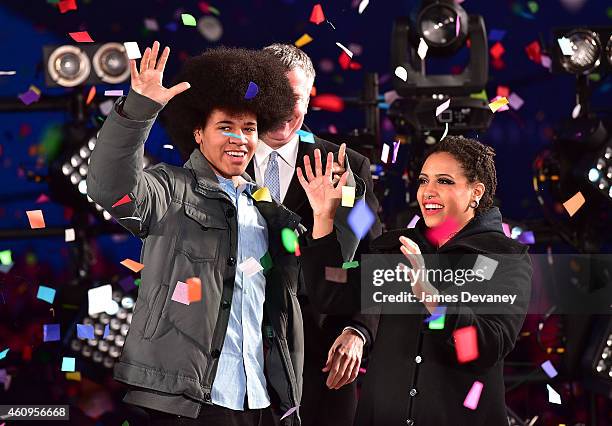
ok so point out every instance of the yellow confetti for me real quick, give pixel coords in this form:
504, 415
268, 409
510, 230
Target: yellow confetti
348, 196
498, 104
303, 41
74, 375
262, 194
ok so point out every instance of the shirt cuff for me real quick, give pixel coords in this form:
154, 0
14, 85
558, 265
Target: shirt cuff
139, 107
356, 331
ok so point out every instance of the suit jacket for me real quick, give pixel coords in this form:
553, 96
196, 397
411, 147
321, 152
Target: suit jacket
320, 330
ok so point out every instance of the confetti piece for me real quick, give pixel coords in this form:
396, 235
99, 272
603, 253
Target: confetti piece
85, 331
181, 293
46, 293
3, 353
266, 262
127, 284
515, 101
250, 267
151, 24
42, 198
362, 5
74, 375
458, 26
262, 194
487, 265
289, 412
132, 264
106, 331
497, 104
30, 96
497, 50
36, 219
527, 237
574, 204
422, 50
442, 107
480, 95
413, 221
68, 363
328, 102
303, 41
466, 344
549, 369
496, 35
445, 131
361, 219
132, 50
534, 51
252, 91
576, 111
401, 73
106, 107
350, 265
113, 93
81, 37
8, 72
168, 146
67, 5
384, 156
533, 6
305, 136
289, 239
396, 146
553, 396
439, 312
317, 16
438, 323
188, 20
194, 289
336, 275
51, 332
91, 95
473, 396
232, 135
99, 299
566, 46
346, 50
6, 257
348, 196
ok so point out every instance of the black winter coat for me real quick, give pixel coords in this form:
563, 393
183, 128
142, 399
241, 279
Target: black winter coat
414, 377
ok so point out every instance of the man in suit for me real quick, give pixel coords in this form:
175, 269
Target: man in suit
333, 344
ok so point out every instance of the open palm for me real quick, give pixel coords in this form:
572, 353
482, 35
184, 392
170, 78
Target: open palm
148, 81
324, 197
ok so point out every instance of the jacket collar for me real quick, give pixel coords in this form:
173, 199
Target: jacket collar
204, 173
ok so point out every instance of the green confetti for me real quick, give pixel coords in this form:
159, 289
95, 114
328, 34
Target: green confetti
137, 282
290, 240
533, 6
214, 10
609, 12
480, 95
596, 77
266, 262
6, 257
125, 423
350, 265
188, 20
438, 323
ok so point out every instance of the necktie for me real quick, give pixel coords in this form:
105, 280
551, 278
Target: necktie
271, 179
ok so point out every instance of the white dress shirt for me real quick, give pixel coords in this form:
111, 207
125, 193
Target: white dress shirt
287, 158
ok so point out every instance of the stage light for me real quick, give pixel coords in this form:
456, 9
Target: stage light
440, 25
582, 50
68, 66
586, 51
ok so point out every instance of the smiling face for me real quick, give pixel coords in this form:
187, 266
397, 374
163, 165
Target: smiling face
301, 85
228, 155
444, 192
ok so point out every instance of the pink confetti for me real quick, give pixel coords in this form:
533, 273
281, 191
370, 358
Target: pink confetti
289, 412
181, 293
515, 101
414, 221
466, 344
473, 396
439, 234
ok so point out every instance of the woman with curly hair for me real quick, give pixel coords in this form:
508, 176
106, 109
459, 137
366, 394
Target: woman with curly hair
418, 375
212, 341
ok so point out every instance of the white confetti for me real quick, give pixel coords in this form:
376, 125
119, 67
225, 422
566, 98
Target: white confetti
401, 73
132, 50
346, 50
442, 107
422, 50
69, 235
566, 46
363, 5
385, 153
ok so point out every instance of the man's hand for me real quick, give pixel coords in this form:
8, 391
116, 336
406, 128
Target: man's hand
148, 82
344, 359
338, 166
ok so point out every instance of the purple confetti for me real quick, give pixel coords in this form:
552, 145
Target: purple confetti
414, 221
497, 35
127, 284
252, 91
106, 331
549, 369
290, 412
438, 312
395, 149
515, 101
29, 97
51, 332
361, 219
527, 237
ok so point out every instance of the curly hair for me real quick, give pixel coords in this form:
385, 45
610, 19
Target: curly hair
477, 162
219, 79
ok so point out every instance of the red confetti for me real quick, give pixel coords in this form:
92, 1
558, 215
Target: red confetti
81, 37
328, 102
91, 95
344, 60
125, 199
497, 50
534, 51
442, 232
355, 65
503, 91
466, 344
317, 16
313, 91
67, 5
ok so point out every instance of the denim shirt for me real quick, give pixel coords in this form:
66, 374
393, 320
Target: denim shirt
241, 364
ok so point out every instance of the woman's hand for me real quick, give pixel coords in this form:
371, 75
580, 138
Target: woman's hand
148, 82
421, 288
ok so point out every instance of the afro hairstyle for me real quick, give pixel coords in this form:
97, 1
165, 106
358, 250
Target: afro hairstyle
477, 162
219, 79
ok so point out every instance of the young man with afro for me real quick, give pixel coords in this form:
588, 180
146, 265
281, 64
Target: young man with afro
224, 357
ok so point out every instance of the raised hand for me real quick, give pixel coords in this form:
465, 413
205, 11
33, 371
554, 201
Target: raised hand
323, 195
338, 166
148, 82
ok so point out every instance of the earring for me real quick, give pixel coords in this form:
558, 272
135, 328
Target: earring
474, 204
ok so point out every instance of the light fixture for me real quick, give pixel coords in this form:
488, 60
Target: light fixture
443, 25
110, 62
582, 50
68, 66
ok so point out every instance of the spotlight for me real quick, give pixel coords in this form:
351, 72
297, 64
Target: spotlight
440, 25
70, 66
582, 51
